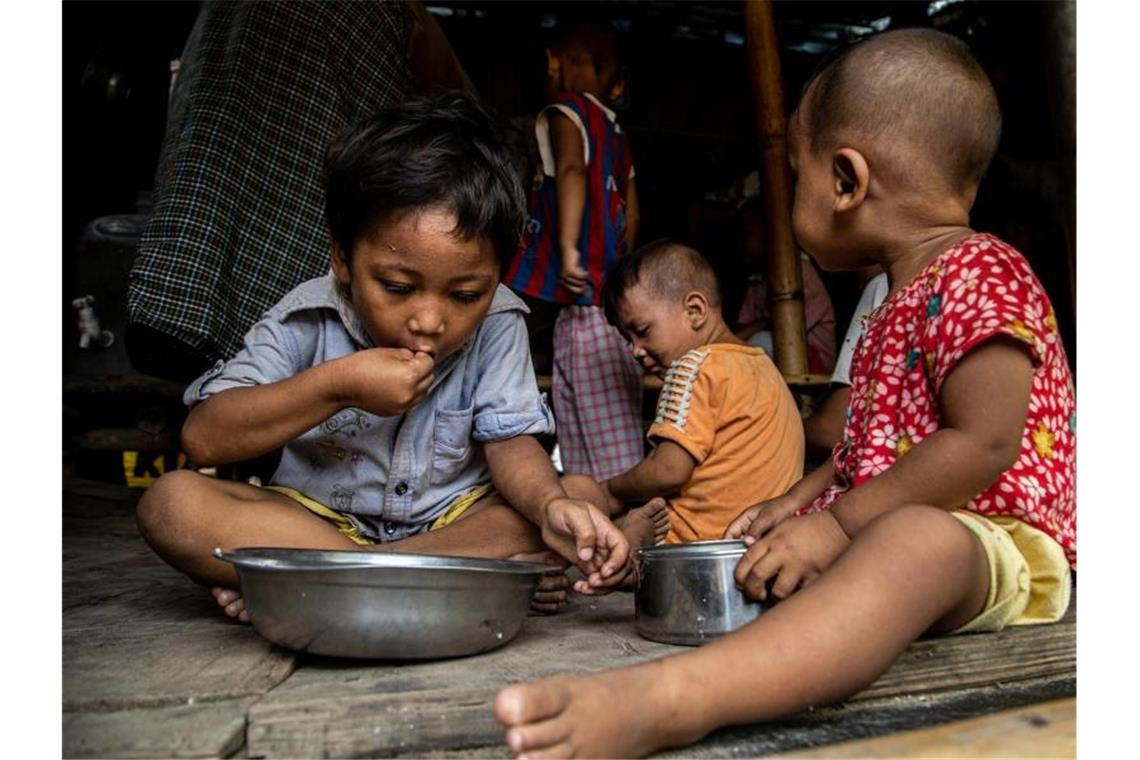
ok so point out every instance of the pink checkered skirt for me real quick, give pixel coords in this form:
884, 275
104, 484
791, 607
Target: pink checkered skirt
597, 389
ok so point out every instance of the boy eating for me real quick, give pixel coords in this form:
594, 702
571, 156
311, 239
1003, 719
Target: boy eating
949, 504
399, 386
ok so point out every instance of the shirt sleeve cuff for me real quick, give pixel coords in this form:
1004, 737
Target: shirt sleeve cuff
498, 426
664, 431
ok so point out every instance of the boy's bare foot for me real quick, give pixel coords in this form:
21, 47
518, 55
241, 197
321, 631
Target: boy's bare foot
230, 601
550, 596
603, 715
646, 525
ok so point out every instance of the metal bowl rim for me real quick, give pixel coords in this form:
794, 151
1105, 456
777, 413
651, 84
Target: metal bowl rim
276, 559
694, 550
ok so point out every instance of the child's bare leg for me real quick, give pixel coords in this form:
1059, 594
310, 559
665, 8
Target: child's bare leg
184, 515
913, 570
490, 528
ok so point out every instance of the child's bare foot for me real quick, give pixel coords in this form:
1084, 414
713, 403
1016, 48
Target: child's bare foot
550, 596
646, 525
603, 715
230, 601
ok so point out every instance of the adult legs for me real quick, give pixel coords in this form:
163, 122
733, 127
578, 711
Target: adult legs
912, 570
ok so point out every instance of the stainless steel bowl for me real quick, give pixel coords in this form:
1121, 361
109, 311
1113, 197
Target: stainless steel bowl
686, 593
383, 605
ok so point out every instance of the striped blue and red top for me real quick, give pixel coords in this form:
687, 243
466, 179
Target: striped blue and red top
601, 240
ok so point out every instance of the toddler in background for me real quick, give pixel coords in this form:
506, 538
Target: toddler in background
727, 433
583, 218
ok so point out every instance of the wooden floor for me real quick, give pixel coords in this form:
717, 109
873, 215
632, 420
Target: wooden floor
152, 669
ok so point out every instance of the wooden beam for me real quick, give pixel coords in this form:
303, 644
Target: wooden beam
127, 439
1045, 730
134, 385
785, 278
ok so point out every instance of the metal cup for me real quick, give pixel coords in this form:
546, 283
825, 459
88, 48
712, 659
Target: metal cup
686, 593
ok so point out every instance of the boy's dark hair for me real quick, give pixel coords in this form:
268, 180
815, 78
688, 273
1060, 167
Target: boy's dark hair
918, 94
584, 40
667, 268
425, 152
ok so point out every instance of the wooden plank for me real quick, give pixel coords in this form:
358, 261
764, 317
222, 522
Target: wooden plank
375, 725
869, 718
322, 704
346, 708
109, 668
459, 722
956, 662
649, 383
126, 439
214, 729
808, 382
547, 645
1038, 731
142, 385
652, 384
136, 633
140, 639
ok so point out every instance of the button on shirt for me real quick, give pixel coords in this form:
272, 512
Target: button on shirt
391, 476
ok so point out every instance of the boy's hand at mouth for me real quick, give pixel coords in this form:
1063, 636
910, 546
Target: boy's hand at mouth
386, 381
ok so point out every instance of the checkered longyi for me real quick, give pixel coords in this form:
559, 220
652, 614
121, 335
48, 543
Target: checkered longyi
597, 389
238, 218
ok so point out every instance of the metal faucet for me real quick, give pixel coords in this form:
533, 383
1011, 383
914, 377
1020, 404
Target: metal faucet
89, 328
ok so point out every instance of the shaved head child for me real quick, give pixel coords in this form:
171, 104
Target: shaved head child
949, 504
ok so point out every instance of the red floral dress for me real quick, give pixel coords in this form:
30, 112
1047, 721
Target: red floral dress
980, 288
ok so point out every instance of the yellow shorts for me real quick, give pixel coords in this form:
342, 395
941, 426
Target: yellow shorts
1029, 574
349, 529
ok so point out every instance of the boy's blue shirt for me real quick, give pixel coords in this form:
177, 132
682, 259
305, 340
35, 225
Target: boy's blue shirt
391, 476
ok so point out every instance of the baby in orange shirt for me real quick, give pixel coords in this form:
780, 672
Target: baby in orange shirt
727, 433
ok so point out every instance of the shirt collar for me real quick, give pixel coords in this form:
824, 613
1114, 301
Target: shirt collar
608, 112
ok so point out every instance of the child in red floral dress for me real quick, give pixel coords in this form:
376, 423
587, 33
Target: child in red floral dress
949, 504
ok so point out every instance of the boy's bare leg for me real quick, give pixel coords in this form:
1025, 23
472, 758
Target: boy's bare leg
913, 570
184, 515
492, 529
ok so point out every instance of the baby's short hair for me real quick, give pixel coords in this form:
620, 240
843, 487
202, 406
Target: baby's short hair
666, 268
425, 152
580, 40
917, 96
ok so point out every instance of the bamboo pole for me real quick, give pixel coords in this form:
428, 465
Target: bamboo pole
785, 278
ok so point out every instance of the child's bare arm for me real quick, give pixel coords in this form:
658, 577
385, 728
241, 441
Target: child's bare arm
983, 405
825, 427
242, 423
570, 192
576, 529
662, 473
